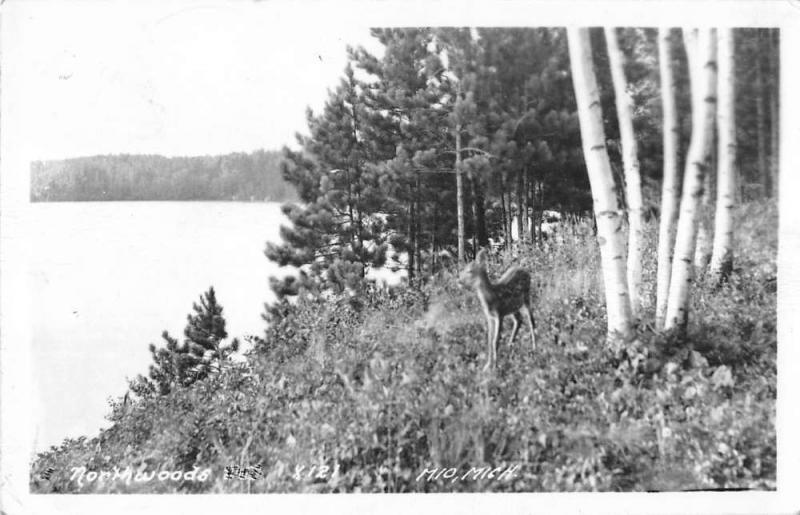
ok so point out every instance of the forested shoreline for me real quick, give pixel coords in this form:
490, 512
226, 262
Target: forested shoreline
254, 176
455, 142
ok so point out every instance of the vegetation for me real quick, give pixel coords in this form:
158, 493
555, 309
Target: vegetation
457, 139
200, 354
456, 134
238, 176
387, 385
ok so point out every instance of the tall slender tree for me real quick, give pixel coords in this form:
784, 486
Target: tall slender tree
705, 231
703, 77
630, 161
606, 207
722, 256
670, 187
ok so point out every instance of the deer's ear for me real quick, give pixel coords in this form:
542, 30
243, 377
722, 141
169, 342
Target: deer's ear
481, 256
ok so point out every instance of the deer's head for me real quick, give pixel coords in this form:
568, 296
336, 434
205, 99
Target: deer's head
473, 271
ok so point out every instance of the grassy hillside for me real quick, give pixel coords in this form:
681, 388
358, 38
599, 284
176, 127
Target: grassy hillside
385, 389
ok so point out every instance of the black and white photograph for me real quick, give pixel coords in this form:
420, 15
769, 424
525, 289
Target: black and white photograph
367, 248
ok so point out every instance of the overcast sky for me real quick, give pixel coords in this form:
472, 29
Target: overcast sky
172, 79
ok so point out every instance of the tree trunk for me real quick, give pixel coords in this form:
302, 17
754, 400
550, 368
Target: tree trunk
761, 136
417, 226
702, 251
630, 161
774, 113
703, 79
510, 215
606, 208
506, 229
531, 192
722, 257
411, 241
460, 196
524, 202
670, 187
541, 211
434, 239
520, 214
480, 218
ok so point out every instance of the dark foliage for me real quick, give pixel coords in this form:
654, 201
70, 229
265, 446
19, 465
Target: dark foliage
200, 354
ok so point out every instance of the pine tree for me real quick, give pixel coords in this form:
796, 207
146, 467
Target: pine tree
204, 335
200, 354
335, 236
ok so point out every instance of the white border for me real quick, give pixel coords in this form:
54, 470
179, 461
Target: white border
14, 297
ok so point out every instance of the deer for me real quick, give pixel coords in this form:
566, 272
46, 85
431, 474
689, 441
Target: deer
510, 295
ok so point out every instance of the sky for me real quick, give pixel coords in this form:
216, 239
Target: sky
174, 78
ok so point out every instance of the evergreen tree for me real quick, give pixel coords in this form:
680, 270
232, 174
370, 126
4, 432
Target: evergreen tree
204, 335
337, 235
201, 352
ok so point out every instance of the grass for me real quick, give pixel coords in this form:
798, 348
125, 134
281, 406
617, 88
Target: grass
382, 388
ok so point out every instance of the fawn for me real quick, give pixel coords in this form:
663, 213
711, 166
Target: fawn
509, 295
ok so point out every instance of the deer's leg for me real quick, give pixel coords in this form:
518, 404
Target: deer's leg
527, 310
494, 336
489, 338
515, 329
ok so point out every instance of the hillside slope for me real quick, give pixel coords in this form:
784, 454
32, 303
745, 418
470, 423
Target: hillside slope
387, 392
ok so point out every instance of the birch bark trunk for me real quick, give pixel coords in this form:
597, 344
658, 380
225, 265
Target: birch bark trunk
702, 72
670, 187
722, 255
630, 163
606, 209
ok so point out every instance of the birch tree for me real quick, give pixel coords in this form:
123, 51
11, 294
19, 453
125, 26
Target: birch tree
606, 208
702, 69
722, 256
670, 187
630, 163
702, 251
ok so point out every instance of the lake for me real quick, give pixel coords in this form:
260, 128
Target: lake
107, 278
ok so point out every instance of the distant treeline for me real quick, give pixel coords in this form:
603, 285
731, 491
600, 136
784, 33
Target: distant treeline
237, 176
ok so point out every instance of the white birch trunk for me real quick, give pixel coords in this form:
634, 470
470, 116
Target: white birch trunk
630, 162
670, 187
702, 251
703, 245
722, 256
703, 99
609, 220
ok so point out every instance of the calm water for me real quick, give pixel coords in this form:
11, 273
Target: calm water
107, 278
